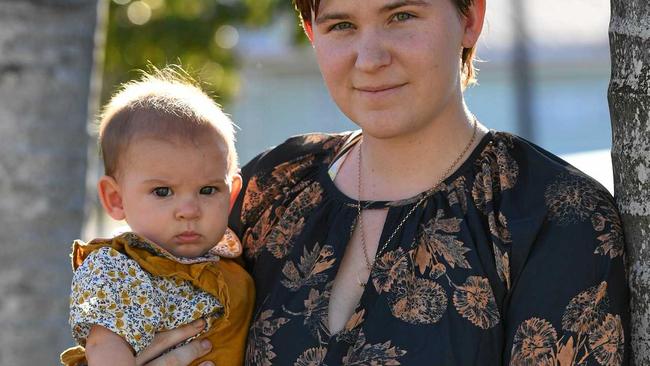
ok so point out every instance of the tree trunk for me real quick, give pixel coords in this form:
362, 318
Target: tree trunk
46, 62
629, 102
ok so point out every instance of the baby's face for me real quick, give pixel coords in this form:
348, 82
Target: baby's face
176, 194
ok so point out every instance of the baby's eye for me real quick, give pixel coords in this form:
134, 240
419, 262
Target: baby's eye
400, 17
162, 191
341, 26
208, 190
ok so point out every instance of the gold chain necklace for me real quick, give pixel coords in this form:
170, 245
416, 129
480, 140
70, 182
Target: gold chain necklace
370, 265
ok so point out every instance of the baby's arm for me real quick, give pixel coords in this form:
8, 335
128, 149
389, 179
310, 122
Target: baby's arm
104, 347
114, 310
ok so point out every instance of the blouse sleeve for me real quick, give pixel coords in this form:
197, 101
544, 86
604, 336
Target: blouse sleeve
568, 303
111, 290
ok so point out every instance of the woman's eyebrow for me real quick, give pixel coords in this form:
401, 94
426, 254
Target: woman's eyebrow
398, 4
324, 17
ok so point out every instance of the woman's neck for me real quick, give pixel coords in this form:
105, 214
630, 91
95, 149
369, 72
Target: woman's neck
404, 166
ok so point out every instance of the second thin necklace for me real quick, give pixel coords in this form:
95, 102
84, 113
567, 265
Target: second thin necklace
450, 169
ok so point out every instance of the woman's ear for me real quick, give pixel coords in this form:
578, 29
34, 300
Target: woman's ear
111, 197
474, 23
235, 187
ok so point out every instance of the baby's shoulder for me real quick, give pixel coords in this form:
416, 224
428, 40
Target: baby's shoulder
108, 265
107, 257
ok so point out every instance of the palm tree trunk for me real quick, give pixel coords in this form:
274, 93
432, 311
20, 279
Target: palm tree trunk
629, 102
46, 63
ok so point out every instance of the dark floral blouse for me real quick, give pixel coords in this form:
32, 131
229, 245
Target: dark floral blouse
517, 258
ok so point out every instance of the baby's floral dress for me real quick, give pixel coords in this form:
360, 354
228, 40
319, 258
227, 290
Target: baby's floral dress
516, 258
135, 288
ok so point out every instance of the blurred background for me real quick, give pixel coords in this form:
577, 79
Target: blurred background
544, 76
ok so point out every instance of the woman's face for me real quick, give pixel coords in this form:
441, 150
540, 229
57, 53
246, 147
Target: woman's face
392, 66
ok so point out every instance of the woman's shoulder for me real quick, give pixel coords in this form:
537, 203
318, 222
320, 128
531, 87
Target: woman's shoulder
536, 189
526, 152
535, 168
288, 167
307, 150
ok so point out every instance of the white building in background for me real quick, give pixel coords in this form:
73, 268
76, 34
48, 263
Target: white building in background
282, 93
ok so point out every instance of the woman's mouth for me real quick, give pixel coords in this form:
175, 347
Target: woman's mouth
381, 91
378, 88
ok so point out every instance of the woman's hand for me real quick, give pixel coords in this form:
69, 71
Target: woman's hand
181, 356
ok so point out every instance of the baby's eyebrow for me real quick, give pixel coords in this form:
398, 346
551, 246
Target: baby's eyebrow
160, 181
217, 181
155, 180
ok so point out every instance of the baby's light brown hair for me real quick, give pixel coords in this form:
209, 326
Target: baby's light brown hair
163, 104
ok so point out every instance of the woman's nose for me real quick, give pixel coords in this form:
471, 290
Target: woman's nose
188, 210
372, 51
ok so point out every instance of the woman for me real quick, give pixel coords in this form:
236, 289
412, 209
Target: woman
426, 238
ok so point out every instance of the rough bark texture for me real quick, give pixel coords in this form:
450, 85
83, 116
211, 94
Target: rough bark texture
46, 59
629, 100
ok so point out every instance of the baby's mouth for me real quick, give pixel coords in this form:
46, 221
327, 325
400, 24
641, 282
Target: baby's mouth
188, 237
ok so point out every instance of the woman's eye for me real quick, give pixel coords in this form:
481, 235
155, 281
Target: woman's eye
208, 190
400, 17
341, 26
162, 191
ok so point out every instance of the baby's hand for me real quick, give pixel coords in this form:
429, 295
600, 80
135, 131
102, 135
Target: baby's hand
182, 356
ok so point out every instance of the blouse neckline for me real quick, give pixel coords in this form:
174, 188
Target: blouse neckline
328, 174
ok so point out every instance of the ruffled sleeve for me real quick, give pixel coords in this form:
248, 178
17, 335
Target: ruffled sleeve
111, 290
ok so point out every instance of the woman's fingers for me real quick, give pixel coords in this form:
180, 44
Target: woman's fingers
168, 339
183, 356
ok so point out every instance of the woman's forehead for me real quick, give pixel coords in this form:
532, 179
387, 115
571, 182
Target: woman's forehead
321, 5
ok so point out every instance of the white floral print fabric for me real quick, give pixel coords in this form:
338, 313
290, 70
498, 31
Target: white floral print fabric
112, 290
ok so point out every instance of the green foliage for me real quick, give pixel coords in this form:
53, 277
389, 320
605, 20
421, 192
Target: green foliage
198, 34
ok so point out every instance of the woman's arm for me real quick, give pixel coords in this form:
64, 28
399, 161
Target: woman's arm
569, 300
104, 347
182, 356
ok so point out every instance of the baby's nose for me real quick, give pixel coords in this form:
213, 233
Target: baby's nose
189, 210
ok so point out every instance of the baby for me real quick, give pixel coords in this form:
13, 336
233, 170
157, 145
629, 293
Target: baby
171, 174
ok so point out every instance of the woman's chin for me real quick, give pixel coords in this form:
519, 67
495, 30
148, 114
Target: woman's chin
387, 130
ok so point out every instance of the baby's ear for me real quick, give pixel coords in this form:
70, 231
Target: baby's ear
235, 187
111, 197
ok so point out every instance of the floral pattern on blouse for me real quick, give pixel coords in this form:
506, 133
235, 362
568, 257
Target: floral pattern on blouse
112, 290
571, 198
516, 258
591, 333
